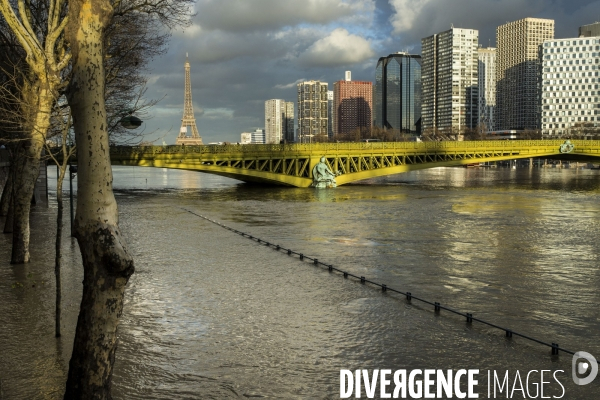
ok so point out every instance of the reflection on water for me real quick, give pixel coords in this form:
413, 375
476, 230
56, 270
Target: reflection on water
210, 314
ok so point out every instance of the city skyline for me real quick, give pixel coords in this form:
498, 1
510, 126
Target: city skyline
247, 56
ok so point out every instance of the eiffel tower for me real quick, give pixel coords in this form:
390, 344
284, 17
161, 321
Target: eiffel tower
188, 119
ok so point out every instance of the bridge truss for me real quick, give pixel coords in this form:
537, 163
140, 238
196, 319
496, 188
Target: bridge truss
291, 164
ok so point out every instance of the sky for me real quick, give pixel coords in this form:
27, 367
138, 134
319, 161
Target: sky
244, 52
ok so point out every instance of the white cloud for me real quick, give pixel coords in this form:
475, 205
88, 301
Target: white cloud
290, 85
338, 49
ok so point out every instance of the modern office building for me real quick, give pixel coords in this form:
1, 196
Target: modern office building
486, 76
279, 121
517, 72
258, 136
289, 134
591, 30
570, 83
330, 120
397, 94
312, 111
352, 105
450, 80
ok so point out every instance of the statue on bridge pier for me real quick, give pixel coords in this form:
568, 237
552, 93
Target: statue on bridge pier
323, 176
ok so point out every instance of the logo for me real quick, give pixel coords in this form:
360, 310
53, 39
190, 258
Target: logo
584, 364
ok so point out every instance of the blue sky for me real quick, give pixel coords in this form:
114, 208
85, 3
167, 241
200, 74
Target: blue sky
243, 52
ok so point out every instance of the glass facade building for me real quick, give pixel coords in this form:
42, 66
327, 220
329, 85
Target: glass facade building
398, 93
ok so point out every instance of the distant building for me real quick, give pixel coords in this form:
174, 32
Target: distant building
517, 72
279, 121
450, 80
312, 111
591, 30
330, 120
352, 105
289, 134
258, 136
569, 95
397, 93
246, 138
487, 87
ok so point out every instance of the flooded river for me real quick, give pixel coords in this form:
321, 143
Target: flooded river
212, 315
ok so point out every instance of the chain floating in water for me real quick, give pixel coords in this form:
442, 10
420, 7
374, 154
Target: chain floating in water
555, 348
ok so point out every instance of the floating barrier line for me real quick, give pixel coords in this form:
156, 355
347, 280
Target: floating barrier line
509, 333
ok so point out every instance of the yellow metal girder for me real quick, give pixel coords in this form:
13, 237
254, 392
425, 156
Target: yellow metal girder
292, 164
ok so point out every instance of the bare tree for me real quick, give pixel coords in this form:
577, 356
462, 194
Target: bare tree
46, 58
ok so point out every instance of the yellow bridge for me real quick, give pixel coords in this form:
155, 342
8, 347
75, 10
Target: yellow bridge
292, 164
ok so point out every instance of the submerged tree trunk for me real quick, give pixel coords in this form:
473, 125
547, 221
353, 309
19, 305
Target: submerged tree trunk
8, 224
58, 256
107, 264
6, 195
26, 174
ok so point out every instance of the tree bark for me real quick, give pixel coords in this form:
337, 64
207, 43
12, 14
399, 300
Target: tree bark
107, 264
6, 195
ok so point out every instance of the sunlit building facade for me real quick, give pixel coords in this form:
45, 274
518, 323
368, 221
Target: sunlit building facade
312, 111
258, 136
517, 72
450, 80
330, 120
352, 105
279, 121
398, 93
486, 76
570, 92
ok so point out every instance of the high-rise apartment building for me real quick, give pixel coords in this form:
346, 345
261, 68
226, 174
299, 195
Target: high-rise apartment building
279, 121
487, 87
590, 30
449, 76
517, 72
312, 111
570, 83
330, 120
352, 105
398, 93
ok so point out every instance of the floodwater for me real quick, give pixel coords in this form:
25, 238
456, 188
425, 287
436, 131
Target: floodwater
213, 315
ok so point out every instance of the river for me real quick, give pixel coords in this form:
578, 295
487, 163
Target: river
213, 315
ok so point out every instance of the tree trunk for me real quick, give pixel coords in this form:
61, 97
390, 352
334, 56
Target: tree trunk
6, 195
26, 174
58, 256
8, 224
107, 264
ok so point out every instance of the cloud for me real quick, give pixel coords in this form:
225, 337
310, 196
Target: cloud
338, 49
246, 15
413, 20
290, 85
